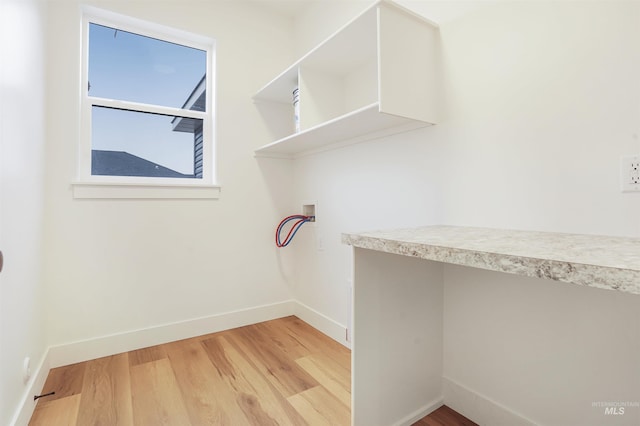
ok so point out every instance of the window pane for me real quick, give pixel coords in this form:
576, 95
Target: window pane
130, 67
131, 143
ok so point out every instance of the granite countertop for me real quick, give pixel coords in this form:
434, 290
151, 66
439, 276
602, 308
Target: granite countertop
596, 261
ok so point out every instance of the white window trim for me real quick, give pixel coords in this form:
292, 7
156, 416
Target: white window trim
89, 186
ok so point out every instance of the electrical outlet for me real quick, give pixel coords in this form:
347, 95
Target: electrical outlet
630, 173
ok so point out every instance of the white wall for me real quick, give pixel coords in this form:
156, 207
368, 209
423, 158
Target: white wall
543, 99
540, 101
22, 143
321, 19
114, 266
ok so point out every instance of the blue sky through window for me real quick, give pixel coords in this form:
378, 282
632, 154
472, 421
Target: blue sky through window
131, 67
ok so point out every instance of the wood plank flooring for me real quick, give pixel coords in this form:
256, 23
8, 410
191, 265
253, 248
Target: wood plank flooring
444, 416
280, 372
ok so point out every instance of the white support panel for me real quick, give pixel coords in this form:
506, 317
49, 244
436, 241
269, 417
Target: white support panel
407, 62
321, 97
361, 86
397, 338
277, 118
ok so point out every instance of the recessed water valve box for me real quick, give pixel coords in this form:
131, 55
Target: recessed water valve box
310, 210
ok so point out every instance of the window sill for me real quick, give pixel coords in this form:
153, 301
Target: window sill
110, 190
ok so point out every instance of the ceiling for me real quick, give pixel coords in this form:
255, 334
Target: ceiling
438, 11
289, 8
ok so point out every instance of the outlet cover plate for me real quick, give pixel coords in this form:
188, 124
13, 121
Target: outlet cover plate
630, 173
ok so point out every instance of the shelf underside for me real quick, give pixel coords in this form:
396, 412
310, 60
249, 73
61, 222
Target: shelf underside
365, 123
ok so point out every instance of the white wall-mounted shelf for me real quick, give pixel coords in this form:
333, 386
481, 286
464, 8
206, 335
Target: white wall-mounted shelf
375, 76
365, 123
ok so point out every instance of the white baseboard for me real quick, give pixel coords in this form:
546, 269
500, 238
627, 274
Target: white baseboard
479, 408
420, 413
35, 385
98, 347
85, 350
321, 322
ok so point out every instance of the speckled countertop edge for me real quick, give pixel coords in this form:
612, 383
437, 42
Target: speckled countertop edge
605, 262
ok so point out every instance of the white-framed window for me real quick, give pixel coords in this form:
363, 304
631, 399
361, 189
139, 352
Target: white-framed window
147, 111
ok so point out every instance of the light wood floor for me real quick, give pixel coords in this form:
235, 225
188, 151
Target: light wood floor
280, 372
